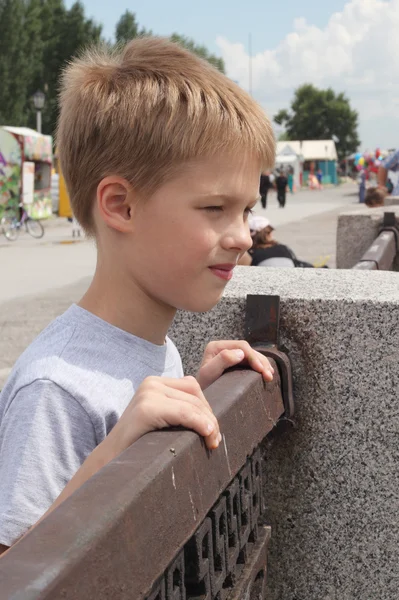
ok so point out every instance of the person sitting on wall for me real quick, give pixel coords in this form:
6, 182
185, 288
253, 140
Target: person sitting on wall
375, 197
266, 251
391, 163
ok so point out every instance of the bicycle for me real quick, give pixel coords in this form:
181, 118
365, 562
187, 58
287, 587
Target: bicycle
11, 225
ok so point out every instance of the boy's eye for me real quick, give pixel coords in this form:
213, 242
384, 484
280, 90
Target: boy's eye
214, 208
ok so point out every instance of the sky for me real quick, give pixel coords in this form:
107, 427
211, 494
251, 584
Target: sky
349, 45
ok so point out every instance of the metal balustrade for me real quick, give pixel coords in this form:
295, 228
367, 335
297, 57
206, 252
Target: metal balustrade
168, 519
382, 253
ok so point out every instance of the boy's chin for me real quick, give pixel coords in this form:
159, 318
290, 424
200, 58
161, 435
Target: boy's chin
200, 305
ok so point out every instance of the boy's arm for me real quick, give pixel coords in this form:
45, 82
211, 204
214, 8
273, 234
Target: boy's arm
45, 436
158, 403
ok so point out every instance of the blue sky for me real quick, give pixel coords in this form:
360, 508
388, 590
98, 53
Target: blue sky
349, 45
268, 21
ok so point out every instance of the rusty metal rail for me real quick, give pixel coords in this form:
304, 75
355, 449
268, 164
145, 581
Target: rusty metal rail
167, 520
382, 253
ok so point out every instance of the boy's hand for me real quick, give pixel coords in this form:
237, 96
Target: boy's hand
219, 356
162, 402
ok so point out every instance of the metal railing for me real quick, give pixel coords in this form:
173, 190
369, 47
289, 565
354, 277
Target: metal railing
168, 519
382, 253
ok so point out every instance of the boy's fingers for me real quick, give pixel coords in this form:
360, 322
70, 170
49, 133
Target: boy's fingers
260, 363
213, 369
195, 401
190, 385
189, 416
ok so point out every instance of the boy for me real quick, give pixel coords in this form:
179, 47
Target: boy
375, 197
162, 156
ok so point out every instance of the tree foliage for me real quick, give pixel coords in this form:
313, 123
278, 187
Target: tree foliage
319, 115
37, 39
128, 28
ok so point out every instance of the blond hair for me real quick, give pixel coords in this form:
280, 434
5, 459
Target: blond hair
142, 111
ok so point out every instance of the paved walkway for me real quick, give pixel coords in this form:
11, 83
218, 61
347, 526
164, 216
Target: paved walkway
41, 278
308, 223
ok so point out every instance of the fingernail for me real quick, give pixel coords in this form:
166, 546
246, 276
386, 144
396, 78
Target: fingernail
209, 428
220, 437
240, 354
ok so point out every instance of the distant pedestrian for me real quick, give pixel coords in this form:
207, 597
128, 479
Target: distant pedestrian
319, 176
264, 188
362, 187
76, 229
282, 186
291, 180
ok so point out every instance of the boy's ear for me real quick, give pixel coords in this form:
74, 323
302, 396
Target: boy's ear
114, 203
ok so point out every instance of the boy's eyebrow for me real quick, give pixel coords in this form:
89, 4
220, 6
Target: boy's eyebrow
227, 197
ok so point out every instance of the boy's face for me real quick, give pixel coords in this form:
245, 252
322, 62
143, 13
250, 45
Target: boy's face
189, 235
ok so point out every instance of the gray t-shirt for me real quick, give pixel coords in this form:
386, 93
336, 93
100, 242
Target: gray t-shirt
63, 397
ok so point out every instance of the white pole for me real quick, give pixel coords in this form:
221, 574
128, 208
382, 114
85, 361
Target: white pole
39, 121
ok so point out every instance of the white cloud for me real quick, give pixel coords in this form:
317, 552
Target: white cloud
357, 53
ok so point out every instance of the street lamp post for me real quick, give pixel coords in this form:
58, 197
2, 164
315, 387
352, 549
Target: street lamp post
39, 99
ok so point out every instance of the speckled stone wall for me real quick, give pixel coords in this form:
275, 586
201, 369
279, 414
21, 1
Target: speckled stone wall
331, 479
356, 231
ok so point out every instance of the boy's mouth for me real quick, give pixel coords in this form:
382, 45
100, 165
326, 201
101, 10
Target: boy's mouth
223, 271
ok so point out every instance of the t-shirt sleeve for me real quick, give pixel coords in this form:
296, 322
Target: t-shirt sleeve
45, 436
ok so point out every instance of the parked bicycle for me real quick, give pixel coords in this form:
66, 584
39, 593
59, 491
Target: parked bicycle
11, 224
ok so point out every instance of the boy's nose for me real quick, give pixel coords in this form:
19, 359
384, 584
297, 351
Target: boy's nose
239, 238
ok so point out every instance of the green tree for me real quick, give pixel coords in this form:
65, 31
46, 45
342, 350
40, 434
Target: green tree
71, 33
201, 51
321, 114
128, 28
13, 62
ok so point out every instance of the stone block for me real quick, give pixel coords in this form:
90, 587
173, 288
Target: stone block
331, 484
391, 201
356, 231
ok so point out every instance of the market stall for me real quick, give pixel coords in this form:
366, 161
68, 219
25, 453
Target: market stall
25, 171
287, 159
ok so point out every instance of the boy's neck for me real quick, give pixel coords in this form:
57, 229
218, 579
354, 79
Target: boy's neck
127, 307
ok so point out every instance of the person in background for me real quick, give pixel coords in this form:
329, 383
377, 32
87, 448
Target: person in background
319, 176
362, 186
264, 187
266, 251
291, 180
375, 197
391, 163
282, 187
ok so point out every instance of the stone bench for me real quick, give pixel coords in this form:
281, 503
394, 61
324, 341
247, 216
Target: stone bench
331, 484
330, 478
357, 229
168, 520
